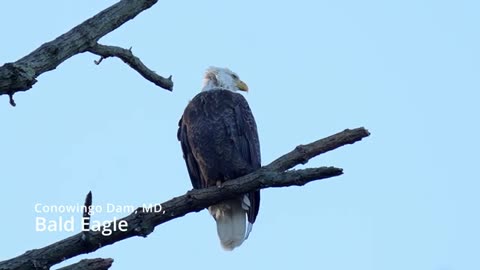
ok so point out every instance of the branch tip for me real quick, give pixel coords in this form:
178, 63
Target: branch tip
87, 211
97, 62
11, 101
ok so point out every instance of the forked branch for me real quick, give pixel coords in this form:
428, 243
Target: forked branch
22, 74
143, 221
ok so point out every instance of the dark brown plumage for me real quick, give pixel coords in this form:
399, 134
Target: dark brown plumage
219, 140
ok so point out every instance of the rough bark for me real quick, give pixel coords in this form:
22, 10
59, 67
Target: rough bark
90, 264
143, 221
22, 74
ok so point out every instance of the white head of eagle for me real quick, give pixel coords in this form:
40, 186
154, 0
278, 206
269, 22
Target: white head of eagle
222, 78
219, 142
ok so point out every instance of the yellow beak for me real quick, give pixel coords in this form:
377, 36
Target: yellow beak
242, 86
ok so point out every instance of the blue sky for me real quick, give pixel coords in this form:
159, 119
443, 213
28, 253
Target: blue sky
406, 70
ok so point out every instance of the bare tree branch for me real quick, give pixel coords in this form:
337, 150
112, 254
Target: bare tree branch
90, 264
22, 74
143, 221
133, 61
302, 153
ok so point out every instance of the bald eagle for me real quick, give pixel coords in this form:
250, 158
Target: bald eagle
219, 140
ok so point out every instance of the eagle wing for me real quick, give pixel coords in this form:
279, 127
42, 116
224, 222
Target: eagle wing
249, 146
241, 128
192, 165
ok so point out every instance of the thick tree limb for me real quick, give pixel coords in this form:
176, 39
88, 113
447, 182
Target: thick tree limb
133, 61
143, 221
21, 75
90, 264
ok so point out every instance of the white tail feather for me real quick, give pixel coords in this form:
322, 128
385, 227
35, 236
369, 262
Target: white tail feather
231, 222
249, 230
